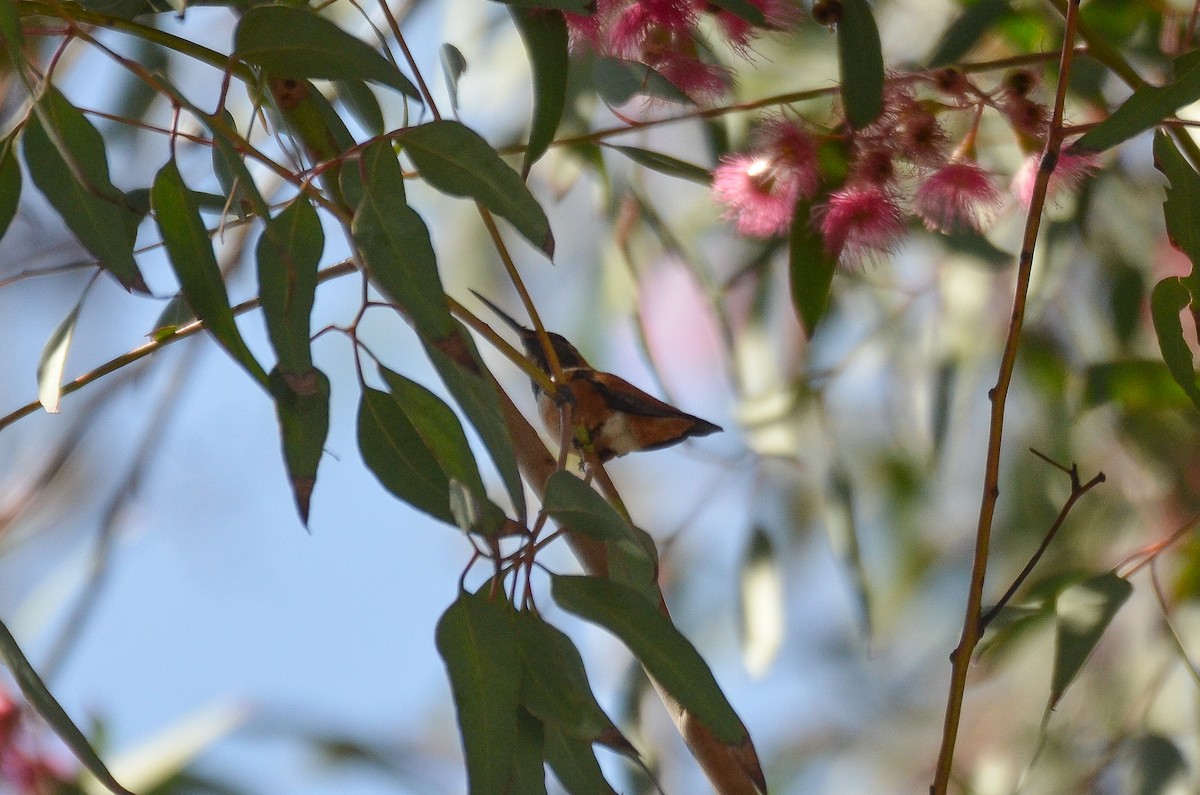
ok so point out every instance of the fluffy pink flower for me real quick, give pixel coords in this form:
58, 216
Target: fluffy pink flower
792, 151
860, 219
1072, 168
959, 195
650, 26
747, 186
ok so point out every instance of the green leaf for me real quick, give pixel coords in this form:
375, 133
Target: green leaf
1167, 300
393, 449
665, 164
966, 30
545, 37
44, 703
811, 269
462, 370
175, 314
395, 245
861, 61
296, 42
456, 160
1181, 207
574, 764
14, 37
554, 683
10, 182
302, 406
664, 652
454, 66
584, 7
194, 263
529, 772
439, 429
476, 640
1146, 106
362, 104
287, 255
54, 358
617, 81
743, 9
229, 167
1083, 612
1134, 385
1157, 766
66, 159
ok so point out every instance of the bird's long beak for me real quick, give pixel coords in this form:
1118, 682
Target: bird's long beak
500, 313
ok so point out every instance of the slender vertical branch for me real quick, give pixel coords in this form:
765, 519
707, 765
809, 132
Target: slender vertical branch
972, 623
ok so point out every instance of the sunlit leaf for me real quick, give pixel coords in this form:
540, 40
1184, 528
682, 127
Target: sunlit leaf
10, 182
44, 703
302, 406
54, 359
296, 42
665, 164
393, 450
69, 166
545, 37
618, 81
476, 640
811, 269
666, 654
1134, 385
456, 160
1182, 205
194, 263
861, 61
1083, 613
574, 764
442, 434
1146, 106
360, 100
454, 66
963, 33
762, 604
1167, 300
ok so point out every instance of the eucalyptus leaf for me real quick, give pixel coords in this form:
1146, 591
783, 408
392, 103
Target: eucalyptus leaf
545, 37
861, 59
1083, 612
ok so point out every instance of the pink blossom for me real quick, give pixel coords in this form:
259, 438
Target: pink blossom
793, 152
651, 26
1070, 171
748, 187
859, 219
698, 80
956, 196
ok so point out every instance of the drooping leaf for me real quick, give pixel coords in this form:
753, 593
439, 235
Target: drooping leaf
360, 100
475, 639
574, 764
1083, 613
462, 370
10, 182
395, 245
664, 652
1156, 766
393, 450
194, 263
44, 703
665, 164
1146, 106
287, 256
54, 358
454, 66
442, 434
456, 160
585, 7
296, 42
861, 60
1182, 205
1133, 385
743, 9
810, 270
529, 771
762, 604
302, 406
554, 683
311, 120
963, 33
618, 80
1167, 300
66, 159
230, 168
545, 37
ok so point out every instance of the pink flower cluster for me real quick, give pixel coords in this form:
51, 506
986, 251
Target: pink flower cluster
902, 164
664, 35
23, 768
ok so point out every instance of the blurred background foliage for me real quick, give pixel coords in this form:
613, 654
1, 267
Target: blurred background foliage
817, 552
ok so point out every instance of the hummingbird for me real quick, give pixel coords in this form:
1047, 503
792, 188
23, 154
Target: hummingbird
615, 416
